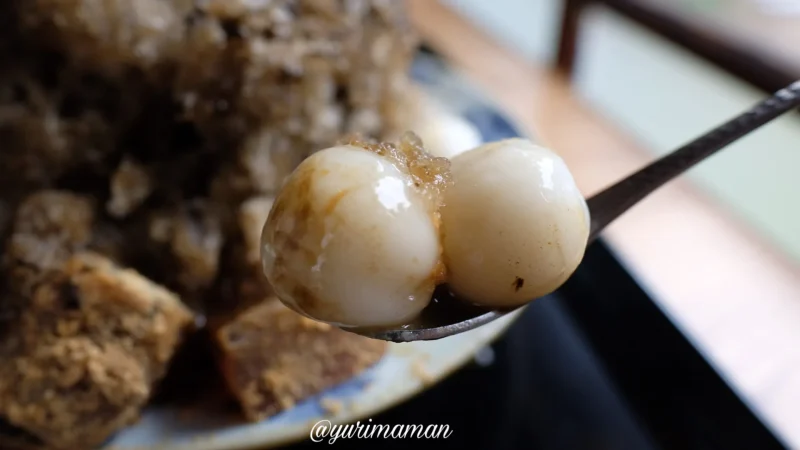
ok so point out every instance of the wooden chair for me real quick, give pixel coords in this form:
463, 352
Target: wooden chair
739, 50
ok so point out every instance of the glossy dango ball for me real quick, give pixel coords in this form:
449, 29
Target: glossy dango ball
514, 224
353, 236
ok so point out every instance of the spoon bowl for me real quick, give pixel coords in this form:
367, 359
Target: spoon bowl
447, 315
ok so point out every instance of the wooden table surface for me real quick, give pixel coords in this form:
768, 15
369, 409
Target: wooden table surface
736, 298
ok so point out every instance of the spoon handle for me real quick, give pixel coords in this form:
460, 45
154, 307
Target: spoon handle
607, 205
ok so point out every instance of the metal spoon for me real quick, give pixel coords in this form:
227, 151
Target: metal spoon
447, 316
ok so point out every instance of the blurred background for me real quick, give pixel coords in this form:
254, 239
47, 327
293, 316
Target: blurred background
612, 84
664, 93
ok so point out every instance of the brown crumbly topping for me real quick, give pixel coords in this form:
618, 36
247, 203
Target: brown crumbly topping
235, 85
273, 358
153, 133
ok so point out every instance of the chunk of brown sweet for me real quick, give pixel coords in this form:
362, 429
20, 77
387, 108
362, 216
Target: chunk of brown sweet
273, 358
82, 359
